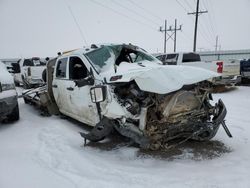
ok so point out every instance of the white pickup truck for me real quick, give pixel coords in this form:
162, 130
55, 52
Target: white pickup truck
229, 70
28, 72
122, 87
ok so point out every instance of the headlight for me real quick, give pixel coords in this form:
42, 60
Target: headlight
7, 87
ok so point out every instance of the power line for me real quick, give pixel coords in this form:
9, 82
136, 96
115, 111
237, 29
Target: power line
149, 12
77, 24
211, 28
187, 3
121, 14
213, 13
181, 5
210, 18
134, 12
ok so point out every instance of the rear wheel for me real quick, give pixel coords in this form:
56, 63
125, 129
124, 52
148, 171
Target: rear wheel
14, 116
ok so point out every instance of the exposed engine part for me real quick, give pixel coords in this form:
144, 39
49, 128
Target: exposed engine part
143, 118
132, 98
132, 107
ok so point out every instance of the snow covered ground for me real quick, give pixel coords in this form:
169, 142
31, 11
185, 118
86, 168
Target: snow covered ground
46, 152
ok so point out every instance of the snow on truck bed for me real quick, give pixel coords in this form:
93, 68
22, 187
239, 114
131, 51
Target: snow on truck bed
46, 152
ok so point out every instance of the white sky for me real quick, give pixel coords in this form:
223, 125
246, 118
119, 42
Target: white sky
44, 27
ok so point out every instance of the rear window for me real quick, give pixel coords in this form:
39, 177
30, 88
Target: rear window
33, 62
28, 62
61, 68
191, 57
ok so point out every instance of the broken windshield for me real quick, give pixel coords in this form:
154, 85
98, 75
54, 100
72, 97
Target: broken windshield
106, 56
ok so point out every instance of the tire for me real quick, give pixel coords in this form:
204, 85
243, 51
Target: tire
14, 116
17, 84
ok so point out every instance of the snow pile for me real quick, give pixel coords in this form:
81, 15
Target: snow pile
46, 152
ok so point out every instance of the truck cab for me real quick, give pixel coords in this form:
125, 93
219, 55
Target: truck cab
71, 71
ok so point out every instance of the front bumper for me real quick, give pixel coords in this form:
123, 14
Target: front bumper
220, 114
219, 119
228, 80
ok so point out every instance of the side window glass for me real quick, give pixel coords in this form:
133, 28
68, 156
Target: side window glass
191, 57
171, 59
61, 68
77, 69
28, 62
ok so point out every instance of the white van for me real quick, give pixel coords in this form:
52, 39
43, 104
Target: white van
8, 96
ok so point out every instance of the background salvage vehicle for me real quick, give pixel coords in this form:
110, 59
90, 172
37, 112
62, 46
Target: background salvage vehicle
8, 96
28, 72
123, 88
229, 70
245, 69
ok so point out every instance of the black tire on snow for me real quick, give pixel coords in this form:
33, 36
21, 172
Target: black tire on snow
14, 116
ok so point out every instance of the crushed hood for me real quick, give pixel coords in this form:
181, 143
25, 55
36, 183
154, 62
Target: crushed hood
157, 78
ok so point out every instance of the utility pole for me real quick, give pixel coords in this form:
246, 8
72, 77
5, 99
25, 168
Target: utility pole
165, 35
197, 13
173, 32
216, 43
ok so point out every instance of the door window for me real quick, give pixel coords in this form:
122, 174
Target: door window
77, 69
61, 68
171, 59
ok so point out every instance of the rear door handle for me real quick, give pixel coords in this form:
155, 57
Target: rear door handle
70, 88
54, 86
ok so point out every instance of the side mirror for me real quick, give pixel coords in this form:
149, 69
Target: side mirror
98, 94
86, 81
16, 67
89, 80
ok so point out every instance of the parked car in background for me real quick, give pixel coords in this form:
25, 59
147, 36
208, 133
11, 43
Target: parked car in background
245, 69
8, 96
28, 72
229, 70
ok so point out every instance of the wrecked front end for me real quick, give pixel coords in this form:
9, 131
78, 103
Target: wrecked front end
153, 104
157, 121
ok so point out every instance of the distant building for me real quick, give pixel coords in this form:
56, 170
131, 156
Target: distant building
225, 55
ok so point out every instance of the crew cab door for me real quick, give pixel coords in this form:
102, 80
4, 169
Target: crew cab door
59, 85
80, 102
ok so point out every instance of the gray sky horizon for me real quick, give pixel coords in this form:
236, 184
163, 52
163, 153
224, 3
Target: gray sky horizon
44, 27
